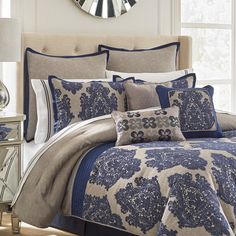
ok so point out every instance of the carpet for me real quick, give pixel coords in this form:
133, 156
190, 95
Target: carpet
28, 230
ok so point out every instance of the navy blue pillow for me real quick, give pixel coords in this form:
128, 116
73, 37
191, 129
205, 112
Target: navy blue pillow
197, 113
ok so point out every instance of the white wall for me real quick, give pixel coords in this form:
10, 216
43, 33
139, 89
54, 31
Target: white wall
147, 17
63, 16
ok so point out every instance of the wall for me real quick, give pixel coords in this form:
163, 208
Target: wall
63, 16
147, 17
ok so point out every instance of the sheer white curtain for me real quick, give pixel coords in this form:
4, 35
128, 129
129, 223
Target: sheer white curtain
211, 23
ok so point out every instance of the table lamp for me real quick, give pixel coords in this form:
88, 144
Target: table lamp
10, 51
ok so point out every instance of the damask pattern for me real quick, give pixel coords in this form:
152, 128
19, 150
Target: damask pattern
224, 171
197, 113
196, 110
162, 159
65, 116
172, 188
195, 204
180, 84
117, 87
4, 131
71, 87
97, 101
164, 231
146, 126
187, 81
143, 203
109, 169
155, 144
216, 145
103, 213
75, 101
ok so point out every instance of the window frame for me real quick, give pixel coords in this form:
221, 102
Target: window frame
177, 25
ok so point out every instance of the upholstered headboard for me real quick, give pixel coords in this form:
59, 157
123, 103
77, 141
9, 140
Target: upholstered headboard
81, 44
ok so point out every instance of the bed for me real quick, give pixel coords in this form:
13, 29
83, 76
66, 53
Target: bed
183, 187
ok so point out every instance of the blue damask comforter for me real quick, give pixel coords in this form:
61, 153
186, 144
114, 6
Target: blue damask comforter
155, 189
161, 188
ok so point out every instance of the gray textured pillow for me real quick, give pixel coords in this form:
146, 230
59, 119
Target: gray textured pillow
158, 59
146, 126
143, 95
40, 66
226, 121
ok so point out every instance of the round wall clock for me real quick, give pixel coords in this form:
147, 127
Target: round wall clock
106, 8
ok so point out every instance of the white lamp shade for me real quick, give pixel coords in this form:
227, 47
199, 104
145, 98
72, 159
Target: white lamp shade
10, 40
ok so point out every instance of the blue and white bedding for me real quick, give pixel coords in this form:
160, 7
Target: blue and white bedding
154, 189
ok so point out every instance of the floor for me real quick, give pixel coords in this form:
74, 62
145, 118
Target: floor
28, 230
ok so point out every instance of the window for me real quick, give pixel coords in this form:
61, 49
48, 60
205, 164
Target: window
210, 24
5, 7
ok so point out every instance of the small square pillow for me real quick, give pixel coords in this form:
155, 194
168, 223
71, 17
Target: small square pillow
147, 96
146, 126
74, 101
197, 113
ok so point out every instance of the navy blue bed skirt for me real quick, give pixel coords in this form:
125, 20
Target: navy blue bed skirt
83, 228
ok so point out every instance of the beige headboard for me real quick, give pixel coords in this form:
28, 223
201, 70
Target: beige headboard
81, 44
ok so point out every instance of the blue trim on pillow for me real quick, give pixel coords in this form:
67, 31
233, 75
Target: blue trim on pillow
27, 81
187, 76
101, 46
163, 93
193, 75
83, 175
51, 86
26, 95
115, 77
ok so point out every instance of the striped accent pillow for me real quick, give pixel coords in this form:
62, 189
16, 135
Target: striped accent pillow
45, 113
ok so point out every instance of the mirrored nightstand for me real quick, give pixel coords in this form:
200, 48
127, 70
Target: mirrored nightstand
11, 150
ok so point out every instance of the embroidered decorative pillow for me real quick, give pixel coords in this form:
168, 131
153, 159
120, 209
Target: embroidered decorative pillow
147, 96
146, 126
74, 101
158, 59
197, 113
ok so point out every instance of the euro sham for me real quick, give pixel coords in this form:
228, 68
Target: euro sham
197, 113
40, 66
147, 126
158, 59
74, 101
45, 121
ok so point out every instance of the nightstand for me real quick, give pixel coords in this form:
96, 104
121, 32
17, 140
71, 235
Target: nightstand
11, 150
